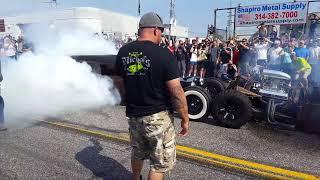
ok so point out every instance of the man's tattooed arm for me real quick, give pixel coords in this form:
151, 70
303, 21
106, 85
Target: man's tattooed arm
178, 98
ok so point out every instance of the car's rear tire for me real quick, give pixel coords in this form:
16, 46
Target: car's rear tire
232, 109
198, 100
214, 87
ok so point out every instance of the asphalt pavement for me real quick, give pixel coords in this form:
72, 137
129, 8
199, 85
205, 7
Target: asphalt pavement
255, 142
46, 152
42, 152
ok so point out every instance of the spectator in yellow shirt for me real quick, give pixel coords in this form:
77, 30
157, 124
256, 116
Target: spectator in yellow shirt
302, 68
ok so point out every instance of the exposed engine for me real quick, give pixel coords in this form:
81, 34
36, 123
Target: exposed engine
274, 84
274, 88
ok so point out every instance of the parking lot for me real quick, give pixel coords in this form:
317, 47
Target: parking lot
47, 151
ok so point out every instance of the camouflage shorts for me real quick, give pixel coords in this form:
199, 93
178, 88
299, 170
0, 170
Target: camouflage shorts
153, 138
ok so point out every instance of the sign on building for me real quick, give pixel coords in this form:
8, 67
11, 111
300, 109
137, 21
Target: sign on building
2, 26
272, 14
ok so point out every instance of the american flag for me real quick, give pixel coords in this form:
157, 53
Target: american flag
244, 17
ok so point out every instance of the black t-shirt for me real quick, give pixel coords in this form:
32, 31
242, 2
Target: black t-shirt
188, 48
145, 68
224, 56
181, 53
231, 72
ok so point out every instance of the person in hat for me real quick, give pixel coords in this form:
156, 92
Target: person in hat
153, 91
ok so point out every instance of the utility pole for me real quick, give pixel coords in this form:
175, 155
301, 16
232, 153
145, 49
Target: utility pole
138, 17
172, 16
229, 21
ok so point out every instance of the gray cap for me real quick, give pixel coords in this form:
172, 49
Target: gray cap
151, 19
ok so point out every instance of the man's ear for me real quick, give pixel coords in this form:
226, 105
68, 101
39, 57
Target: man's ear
155, 32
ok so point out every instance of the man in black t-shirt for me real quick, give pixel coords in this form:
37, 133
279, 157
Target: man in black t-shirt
213, 60
225, 56
244, 56
181, 54
153, 91
188, 46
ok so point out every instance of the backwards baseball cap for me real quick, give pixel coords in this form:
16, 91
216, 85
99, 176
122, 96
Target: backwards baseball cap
151, 19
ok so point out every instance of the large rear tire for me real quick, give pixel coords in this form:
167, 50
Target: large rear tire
214, 87
232, 109
198, 100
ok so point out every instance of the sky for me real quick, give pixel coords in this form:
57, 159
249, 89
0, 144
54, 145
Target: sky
194, 14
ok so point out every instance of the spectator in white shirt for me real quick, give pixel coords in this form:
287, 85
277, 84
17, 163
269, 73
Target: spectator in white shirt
274, 56
261, 49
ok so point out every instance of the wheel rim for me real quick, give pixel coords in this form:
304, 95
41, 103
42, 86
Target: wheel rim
229, 111
195, 104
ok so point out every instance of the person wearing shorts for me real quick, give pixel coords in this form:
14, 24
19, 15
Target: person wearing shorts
194, 59
202, 61
153, 137
303, 69
153, 90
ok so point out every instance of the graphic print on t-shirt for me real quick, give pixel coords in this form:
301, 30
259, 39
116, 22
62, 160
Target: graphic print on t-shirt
136, 64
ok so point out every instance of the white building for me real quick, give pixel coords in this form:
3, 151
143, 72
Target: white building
93, 19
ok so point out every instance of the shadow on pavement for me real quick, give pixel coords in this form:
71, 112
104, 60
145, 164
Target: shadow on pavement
101, 166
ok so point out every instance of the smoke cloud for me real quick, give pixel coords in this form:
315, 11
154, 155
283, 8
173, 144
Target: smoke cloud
49, 82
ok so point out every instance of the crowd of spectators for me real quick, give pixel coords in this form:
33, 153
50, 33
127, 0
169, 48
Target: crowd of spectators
13, 47
299, 58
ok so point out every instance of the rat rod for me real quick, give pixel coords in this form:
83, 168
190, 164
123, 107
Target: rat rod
266, 95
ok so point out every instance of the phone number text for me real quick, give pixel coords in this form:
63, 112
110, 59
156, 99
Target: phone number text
276, 15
